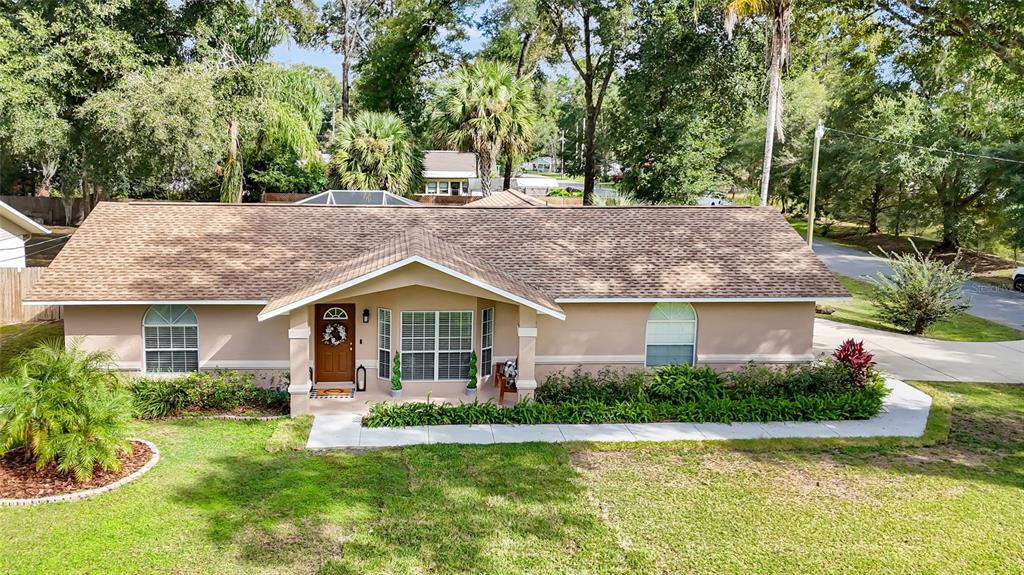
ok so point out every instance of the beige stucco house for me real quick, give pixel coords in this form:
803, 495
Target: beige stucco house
324, 296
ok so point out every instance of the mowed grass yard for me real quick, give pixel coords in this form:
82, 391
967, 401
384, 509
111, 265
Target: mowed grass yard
958, 327
219, 502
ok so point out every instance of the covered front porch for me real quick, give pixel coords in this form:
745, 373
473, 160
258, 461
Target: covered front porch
417, 301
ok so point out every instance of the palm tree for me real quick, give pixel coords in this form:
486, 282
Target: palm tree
374, 151
781, 14
485, 108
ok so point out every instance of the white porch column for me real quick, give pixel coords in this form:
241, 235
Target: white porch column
527, 381
298, 355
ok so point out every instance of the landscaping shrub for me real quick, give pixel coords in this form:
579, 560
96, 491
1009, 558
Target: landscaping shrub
204, 391
847, 387
921, 290
65, 406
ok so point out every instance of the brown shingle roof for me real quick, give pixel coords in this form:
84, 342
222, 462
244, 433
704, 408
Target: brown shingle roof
407, 244
146, 251
506, 199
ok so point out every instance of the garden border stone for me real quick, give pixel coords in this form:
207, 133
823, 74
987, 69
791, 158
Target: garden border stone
87, 493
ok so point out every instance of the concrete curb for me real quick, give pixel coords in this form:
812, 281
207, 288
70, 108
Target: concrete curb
76, 495
904, 413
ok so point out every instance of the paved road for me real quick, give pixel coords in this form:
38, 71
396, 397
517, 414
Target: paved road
992, 303
921, 358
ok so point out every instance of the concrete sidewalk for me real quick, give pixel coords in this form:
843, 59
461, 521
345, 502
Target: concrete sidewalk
910, 357
904, 414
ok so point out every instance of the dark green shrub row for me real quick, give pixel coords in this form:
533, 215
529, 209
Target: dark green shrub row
204, 391
683, 383
860, 404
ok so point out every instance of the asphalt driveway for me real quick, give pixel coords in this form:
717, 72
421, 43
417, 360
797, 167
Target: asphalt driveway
992, 303
910, 357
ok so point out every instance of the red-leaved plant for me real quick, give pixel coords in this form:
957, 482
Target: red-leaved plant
860, 362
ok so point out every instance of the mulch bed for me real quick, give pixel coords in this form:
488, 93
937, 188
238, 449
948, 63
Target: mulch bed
20, 480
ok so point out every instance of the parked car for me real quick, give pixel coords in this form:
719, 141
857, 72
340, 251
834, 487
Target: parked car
1018, 279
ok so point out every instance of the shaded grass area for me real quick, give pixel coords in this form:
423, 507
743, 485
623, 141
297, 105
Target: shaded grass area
16, 338
959, 327
218, 502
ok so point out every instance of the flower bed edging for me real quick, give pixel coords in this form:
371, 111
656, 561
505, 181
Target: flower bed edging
76, 495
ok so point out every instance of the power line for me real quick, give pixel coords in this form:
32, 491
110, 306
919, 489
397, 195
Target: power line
926, 148
36, 251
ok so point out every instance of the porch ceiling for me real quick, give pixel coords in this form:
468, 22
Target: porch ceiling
405, 248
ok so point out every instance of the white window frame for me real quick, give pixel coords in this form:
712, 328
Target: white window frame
487, 321
384, 373
336, 312
146, 349
434, 188
693, 344
437, 338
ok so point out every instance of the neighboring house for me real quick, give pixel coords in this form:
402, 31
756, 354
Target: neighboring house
15, 228
328, 296
540, 164
358, 198
447, 173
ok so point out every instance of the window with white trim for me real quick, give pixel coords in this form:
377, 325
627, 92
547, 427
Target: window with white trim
436, 345
487, 341
444, 188
671, 334
383, 343
336, 313
170, 339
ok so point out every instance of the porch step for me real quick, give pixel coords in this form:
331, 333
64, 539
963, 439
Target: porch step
333, 393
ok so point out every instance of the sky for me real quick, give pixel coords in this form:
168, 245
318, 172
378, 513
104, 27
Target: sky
290, 53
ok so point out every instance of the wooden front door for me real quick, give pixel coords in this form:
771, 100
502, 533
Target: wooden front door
336, 359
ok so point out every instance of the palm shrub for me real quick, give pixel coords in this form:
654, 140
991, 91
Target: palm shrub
921, 290
375, 151
65, 406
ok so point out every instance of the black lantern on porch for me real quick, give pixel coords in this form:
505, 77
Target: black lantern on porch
361, 378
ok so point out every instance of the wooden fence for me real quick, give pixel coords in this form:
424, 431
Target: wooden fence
13, 284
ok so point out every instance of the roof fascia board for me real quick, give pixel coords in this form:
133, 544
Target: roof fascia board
150, 302
26, 223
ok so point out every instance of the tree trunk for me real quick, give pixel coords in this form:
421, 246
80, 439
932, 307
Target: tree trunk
231, 185
48, 169
779, 53
520, 68
346, 63
589, 153
483, 169
874, 207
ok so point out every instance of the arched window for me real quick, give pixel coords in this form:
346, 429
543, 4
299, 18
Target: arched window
671, 334
170, 339
335, 313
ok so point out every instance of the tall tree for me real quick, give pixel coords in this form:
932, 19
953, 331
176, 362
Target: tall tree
780, 16
415, 41
676, 117
375, 151
594, 36
347, 26
520, 36
484, 108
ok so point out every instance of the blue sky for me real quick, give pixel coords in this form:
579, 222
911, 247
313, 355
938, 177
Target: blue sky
290, 53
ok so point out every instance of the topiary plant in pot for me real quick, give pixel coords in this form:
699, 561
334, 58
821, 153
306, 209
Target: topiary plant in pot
471, 385
396, 376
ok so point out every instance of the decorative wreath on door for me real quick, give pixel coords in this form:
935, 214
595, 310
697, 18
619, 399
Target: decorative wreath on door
334, 334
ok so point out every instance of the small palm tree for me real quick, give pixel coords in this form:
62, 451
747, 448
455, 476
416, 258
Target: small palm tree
374, 151
781, 14
485, 108
65, 405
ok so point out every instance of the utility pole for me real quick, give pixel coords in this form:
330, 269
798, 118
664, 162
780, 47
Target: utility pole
818, 133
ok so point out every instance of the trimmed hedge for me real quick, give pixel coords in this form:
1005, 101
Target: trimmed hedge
220, 391
827, 390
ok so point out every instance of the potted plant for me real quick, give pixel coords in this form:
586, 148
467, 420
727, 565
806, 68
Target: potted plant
471, 386
396, 377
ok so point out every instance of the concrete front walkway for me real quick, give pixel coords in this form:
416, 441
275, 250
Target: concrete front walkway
904, 414
910, 357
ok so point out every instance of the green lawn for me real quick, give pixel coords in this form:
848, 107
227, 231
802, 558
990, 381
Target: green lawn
16, 338
959, 327
219, 502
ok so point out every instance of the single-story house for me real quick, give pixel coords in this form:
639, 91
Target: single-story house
327, 296
540, 164
15, 228
449, 175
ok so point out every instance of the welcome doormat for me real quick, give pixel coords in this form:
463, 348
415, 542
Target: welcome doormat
333, 393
